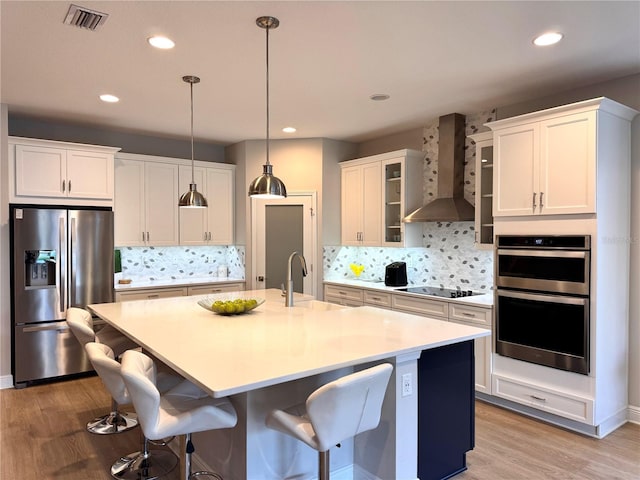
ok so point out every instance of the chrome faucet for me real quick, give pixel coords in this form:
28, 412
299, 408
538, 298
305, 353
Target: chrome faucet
288, 302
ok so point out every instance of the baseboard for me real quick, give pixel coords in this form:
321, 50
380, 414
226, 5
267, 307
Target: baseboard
633, 414
6, 381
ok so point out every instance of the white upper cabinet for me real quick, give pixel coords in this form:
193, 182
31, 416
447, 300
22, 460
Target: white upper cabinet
146, 202
59, 172
213, 225
546, 162
362, 204
484, 189
377, 192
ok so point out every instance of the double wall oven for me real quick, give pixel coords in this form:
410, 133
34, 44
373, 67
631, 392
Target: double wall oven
543, 299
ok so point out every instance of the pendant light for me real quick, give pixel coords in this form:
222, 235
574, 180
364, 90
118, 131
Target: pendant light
266, 185
192, 198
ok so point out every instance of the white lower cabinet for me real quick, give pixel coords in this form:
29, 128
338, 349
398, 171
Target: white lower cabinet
377, 299
215, 288
477, 317
347, 296
553, 401
177, 291
452, 311
421, 306
151, 294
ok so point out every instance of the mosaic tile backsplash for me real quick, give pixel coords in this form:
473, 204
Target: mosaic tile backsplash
173, 263
448, 259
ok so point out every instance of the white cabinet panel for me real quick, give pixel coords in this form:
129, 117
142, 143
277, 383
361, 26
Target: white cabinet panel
45, 171
546, 167
377, 192
161, 203
568, 164
146, 203
516, 170
213, 225
40, 171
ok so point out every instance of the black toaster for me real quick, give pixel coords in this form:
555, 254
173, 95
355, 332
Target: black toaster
395, 274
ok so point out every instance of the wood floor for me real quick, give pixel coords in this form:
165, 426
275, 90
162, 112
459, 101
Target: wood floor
42, 436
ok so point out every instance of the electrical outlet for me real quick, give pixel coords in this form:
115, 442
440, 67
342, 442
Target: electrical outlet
407, 385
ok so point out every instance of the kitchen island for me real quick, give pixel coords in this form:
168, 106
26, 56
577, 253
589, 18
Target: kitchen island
273, 357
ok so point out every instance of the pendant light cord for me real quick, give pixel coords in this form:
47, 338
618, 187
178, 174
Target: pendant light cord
267, 57
192, 163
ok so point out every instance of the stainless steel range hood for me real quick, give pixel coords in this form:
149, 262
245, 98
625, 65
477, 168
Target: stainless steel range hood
450, 205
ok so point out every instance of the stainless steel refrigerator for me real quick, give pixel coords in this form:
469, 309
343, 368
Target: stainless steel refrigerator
60, 258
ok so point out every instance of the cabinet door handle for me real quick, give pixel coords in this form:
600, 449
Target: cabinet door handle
541, 204
205, 236
534, 200
538, 398
143, 236
147, 236
209, 235
63, 185
69, 185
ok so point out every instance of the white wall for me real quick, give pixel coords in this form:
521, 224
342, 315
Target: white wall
5, 302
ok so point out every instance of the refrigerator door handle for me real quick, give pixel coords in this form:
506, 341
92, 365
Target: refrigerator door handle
61, 265
59, 326
72, 240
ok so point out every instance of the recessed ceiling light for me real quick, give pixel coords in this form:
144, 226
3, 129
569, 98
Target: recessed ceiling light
548, 38
379, 97
289, 129
109, 98
161, 42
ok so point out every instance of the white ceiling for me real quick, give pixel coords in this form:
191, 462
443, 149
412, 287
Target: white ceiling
326, 59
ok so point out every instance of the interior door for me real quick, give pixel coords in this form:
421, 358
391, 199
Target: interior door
280, 228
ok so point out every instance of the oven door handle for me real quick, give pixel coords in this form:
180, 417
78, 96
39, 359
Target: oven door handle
543, 298
543, 253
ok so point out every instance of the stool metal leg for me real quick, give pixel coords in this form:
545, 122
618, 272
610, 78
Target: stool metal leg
323, 465
188, 474
114, 422
145, 465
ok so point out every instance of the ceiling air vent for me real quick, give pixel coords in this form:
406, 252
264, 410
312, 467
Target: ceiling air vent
85, 18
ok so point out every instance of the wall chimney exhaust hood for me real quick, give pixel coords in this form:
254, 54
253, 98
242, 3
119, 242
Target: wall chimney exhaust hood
449, 205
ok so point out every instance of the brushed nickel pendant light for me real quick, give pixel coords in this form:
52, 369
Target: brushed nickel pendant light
266, 185
192, 198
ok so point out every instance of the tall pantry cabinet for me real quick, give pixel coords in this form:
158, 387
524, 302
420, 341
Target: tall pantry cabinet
566, 171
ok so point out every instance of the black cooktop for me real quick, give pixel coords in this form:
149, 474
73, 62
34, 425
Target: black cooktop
439, 292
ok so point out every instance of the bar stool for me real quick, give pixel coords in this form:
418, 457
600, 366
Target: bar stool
335, 412
81, 324
183, 410
147, 463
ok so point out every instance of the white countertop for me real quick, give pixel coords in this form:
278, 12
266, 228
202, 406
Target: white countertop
482, 300
273, 344
178, 282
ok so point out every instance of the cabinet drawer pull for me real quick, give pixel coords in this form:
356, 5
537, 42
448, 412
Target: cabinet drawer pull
467, 314
538, 398
154, 295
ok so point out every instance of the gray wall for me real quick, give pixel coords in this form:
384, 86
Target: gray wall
23, 126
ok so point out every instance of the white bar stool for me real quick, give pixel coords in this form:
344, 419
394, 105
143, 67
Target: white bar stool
81, 324
147, 463
335, 412
183, 410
